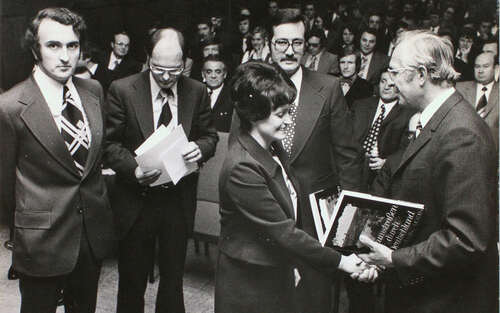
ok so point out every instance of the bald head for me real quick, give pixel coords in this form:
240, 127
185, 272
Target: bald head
484, 68
166, 61
172, 35
167, 47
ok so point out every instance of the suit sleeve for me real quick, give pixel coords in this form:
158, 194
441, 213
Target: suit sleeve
249, 191
8, 148
203, 123
345, 150
118, 157
461, 182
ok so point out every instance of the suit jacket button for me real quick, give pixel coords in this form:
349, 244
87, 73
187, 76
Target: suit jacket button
80, 211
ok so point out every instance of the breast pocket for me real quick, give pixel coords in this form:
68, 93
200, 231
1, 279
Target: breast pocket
33, 220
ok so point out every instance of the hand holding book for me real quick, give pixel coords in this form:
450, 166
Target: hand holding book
379, 254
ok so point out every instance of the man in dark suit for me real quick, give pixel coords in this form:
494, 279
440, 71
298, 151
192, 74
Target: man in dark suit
381, 128
50, 171
118, 63
137, 105
372, 61
317, 58
214, 74
452, 263
484, 84
320, 150
353, 87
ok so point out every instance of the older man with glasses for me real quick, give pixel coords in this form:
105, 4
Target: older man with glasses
450, 167
137, 106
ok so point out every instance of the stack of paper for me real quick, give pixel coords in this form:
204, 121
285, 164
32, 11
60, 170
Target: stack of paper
162, 151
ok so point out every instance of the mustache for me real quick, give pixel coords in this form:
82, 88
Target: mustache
289, 59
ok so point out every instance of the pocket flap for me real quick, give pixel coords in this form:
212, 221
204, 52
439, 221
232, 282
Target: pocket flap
35, 220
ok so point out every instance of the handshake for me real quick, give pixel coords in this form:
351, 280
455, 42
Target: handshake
366, 267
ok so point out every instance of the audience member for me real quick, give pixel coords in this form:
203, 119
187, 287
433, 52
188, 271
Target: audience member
450, 168
214, 74
372, 62
138, 105
243, 40
118, 63
396, 32
309, 14
50, 171
317, 58
353, 87
465, 54
260, 47
482, 92
260, 244
347, 40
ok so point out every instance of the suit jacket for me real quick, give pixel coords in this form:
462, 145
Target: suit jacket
127, 66
130, 123
450, 168
222, 112
49, 201
393, 134
328, 63
360, 89
490, 115
378, 63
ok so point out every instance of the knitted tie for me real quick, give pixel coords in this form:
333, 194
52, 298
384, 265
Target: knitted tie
74, 131
166, 114
482, 101
290, 130
371, 139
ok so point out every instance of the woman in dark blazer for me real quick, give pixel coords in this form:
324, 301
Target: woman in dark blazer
259, 243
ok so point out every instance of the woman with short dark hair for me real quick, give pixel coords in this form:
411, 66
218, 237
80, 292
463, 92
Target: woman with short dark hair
259, 244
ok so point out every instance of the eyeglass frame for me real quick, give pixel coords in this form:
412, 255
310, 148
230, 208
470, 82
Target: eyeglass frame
161, 71
393, 72
288, 44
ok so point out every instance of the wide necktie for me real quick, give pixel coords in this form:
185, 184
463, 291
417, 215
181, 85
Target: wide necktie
362, 68
482, 101
74, 131
290, 130
312, 65
166, 113
371, 139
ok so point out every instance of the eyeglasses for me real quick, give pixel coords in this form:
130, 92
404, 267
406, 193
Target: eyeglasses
121, 44
161, 70
314, 45
393, 72
282, 45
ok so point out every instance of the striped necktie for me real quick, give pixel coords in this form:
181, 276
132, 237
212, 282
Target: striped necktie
74, 130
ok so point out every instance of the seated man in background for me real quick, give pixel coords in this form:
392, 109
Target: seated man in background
118, 63
214, 73
317, 58
482, 92
372, 61
353, 87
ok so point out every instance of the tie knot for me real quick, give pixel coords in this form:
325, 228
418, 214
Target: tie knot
66, 93
165, 93
484, 89
419, 126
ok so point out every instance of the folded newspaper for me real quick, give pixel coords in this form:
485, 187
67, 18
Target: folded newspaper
162, 150
341, 218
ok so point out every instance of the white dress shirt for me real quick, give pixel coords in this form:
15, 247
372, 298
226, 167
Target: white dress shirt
52, 92
429, 111
158, 103
388, 108
479, 92
215, 95
113, 61
289, 186
310, 59
364, 72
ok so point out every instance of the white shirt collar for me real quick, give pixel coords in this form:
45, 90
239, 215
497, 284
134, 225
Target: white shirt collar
215, 95
155, 89
296, 79
479, 91
432, 107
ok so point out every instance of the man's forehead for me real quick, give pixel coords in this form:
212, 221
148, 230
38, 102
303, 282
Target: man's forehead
289, 30
51, 30
121, 37
214, 65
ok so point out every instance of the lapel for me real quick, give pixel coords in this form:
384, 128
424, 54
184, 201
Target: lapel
392, 115
39, 121
219, 103
492, 101
369, 112
323, 63
470, 93
426, 133
311, 103
271, 167
186, 102
91, 106
142, 103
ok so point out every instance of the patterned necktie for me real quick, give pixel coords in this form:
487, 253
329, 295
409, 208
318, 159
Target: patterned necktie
74, 131
290, 130
362, 68
166, 113
418, 129
371, 139
312, 65
482, 101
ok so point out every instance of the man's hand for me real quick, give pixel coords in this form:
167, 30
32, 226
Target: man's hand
368, 275
146, 178
358, 269
380, 255
376, 163
191, 152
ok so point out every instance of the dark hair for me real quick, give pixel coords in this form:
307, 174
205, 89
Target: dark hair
157, 34
204, 20
467, 32
286, 16
369, 30
316, 32
356, 53
211, 41
61, 15
120, 32
259, 88
214, 58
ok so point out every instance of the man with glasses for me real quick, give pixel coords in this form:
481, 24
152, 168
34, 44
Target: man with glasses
137, 106
317, 58
319, 142
450, 167
118, 63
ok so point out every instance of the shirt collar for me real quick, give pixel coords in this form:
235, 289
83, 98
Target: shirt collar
432, 107
296, 78
155, 89
46, 82
388, 106
489, 86
216, 89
